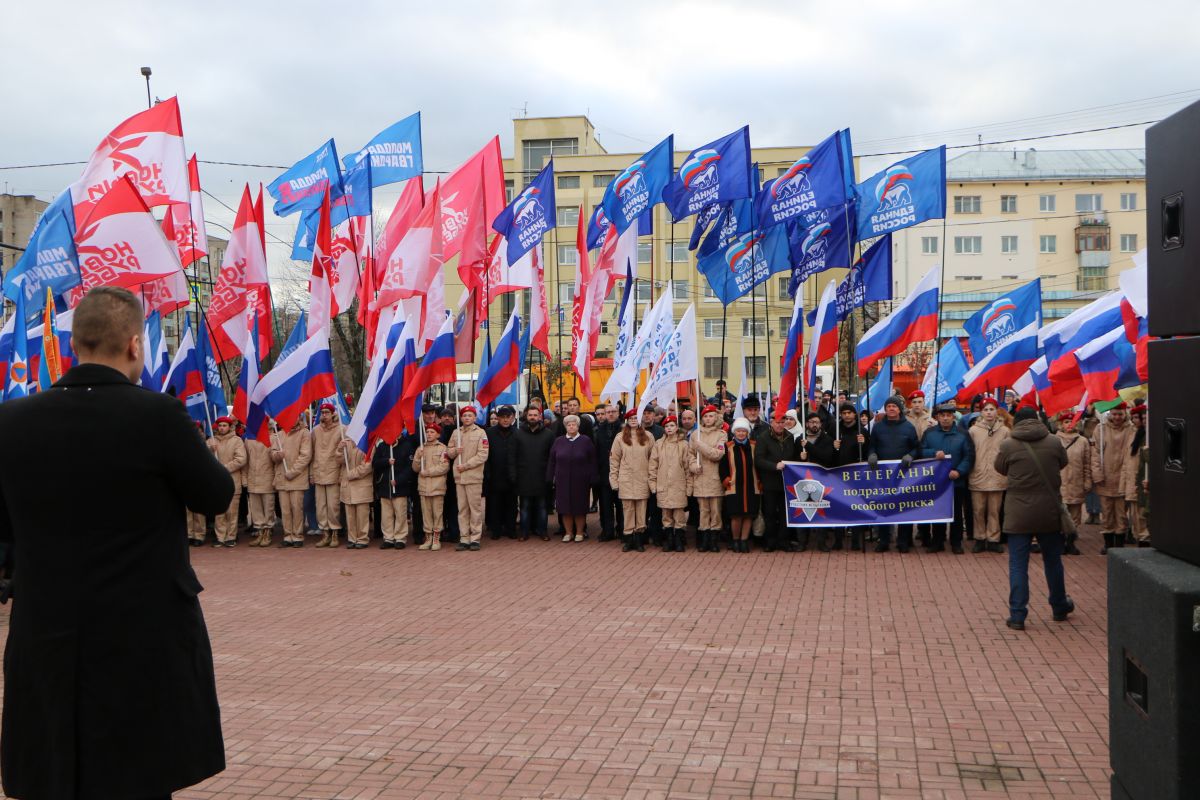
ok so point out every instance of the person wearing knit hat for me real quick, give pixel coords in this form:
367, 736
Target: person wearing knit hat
230, 450
893, 437
1112, 441
432, 463
986, 484
327, 476
742, 499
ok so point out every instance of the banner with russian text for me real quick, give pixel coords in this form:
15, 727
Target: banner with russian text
858, 495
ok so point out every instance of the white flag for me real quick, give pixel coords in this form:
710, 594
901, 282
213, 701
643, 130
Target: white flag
677, 363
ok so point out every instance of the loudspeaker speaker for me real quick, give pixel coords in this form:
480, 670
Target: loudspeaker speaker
1173, 435
1173, 223
1153, 677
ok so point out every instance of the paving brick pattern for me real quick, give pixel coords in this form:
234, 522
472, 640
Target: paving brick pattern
552, 670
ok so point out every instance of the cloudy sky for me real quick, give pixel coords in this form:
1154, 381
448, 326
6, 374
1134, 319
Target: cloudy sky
265, 83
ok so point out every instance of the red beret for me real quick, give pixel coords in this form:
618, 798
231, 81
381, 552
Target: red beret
1138, 409
709, 409
466, 409
1066, 414
989, 401
916, 393
670, 418
228, 420
1122, 406
631, 414
328, 406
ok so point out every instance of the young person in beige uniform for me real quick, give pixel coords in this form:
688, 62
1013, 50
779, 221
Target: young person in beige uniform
230, 450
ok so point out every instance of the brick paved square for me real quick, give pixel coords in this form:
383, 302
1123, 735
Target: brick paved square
555, 670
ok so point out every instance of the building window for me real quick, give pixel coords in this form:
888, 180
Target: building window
604, 327
1048, 244
536, 151
602, 181
679, 252
754, 327
1008, 204
644, 252
756, 366
1008, 244
929, 245
968, 277
1091, 242
568, 181
1047, 203
679, 289
641, 288
780, 172
568, 216
1129, 201
566, 294
761, 176
1085, 203
784, 324
968, 245
966, 204
709, 294
757, 294
783, 288
1128, 242
715, 366
714, 328
507, 301
568, 256
508, 191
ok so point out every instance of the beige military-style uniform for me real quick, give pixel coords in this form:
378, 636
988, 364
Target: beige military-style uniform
1077, 474
629, 475
710, 445
326, 475
986, 484
260, 483
291, 479
471, 444
672, 465
357, 491
431, 463
1110, 456
230, 450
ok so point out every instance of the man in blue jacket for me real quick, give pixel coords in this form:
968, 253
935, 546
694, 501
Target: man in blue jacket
948, 440
893, 437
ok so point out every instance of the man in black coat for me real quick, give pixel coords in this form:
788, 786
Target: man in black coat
816, 447
770, 451
612, 517
108, 672
500, 475
850, 446
533, 443
395, 481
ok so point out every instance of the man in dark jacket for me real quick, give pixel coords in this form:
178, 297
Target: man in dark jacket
947, 440
752, 411
1033, 459
108, 672
532, 454
608, 427
571, 406
850, 446
771, 450
500, 475
893, 437
394, 482
816, 447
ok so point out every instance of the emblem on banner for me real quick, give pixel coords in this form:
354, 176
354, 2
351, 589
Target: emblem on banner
809, 496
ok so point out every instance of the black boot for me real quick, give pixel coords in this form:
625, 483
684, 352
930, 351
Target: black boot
667, 538
710, 542
856, 541
680, 540
1108, 542
626, 543
639, 541
1070, 548
823, 541
802, 540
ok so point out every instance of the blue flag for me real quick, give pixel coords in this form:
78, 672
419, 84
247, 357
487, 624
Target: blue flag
869, 281
821, 178
880, 390
717, 171
355, 198
597, 228
951, 367
748, 261
297, 337
395, 152
214, 392
905, 194
49, 259
824, 245
303, 186
736, 219
995, 323
706, 217
18, 354
527, 218
640, 186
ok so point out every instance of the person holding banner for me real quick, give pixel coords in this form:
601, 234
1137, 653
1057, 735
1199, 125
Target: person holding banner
629, 476
469, 450
850, 446
500, 475
672, 470
741, 486
1031, 460
947, 440
986, 483
893, 437
774, 448
816, 447
709, 444
1138, 529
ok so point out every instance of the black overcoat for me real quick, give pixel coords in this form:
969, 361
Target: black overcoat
108, 673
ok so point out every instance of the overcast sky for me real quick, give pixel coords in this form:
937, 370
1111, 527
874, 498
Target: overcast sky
265, 83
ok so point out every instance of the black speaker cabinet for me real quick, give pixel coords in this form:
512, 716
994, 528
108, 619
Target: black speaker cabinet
1173, 223
1173, 435
1153, 675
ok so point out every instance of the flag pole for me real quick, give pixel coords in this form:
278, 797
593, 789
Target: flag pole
753, 321
937, 339
558, 309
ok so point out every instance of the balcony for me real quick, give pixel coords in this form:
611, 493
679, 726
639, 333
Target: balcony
1090, 219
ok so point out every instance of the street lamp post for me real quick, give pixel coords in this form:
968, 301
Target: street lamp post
146, 75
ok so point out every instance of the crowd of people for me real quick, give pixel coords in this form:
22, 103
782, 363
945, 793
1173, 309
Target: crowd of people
659, 480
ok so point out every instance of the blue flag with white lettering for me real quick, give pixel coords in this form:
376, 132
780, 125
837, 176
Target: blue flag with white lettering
597, 228
824, 245
303, 186
355, 198
868, 281
706, 217
998, 321
49, 259
747, 261
719, 170
214, 392
905, 194
821, 178
639, 187
395, 152
526, 219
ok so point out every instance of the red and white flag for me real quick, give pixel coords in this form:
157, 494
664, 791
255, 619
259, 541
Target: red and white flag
147, 149
121, 244
320, 290
410, 258
243, 267
350, 248
187, 221
457, 195
411, 201
165, 294
473, 258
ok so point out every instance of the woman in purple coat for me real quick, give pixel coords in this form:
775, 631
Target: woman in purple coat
571, 468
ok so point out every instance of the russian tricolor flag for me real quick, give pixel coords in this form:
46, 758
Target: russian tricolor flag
184, 374
1004, 365
1107, 365
1061, 339
791, 359
248, 379
915, 320
305, 376
383, 412
437, 365
154, 370
824, 342
504, 366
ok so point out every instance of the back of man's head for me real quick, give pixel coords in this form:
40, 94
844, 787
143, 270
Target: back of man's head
105, 322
